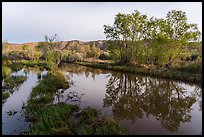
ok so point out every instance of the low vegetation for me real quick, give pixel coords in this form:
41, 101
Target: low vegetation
5, 95
6, 71
174, 73
89, 122
12, 82
63, 119
44, 92
9, 84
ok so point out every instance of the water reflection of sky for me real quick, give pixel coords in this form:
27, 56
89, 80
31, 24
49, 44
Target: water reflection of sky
15, 124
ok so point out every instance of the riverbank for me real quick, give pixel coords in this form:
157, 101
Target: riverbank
181, 74
169, 74
10, 83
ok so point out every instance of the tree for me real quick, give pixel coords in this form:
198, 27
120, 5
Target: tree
5, 47
87, 50
133, 37
127, 31
119, 32
51, 43
95, 52
26, 49
180, 32
49, 48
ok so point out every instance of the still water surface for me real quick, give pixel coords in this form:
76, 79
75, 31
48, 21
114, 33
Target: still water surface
143, 105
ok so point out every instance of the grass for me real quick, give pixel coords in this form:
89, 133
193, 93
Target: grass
49, 119
45, 117
100, 126
56, 120
17, 65
50, 84
5, 95
90, 123
44, 92
175, 74
35, 63
6, 71
9, 84
12, 82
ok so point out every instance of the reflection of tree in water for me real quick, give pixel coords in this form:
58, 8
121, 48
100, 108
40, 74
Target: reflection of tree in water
79, 69
133, 97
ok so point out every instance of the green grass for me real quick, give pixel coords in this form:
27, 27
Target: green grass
50, 84
43, 93
173, 73
13, 81
6, 71
35, 63
45, 116
9, 84
56, 120
100, 126
5, 95
89, 122
17, 65
49, 119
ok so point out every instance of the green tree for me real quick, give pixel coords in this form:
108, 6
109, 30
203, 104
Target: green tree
95, 52
87, 50
50, 51
26, 50
127, 31
180, 32
51, 43
119, 32
133, 37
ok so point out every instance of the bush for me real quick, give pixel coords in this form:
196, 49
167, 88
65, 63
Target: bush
6, 71
75, 57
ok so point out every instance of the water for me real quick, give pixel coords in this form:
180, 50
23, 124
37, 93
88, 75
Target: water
16, 123
143, 105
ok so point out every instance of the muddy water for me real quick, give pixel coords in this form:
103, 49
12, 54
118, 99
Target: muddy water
143, 105
14, 124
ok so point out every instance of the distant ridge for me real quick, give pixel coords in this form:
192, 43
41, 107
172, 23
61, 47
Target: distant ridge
102, 44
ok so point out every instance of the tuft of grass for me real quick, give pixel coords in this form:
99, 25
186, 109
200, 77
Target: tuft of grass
90, 123
5, 95
88, 113
100, 126
50, 84
44, 92
15, 66
52, 119
13, 81
6, 71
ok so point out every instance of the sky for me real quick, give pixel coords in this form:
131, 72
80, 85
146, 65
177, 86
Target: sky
31, 21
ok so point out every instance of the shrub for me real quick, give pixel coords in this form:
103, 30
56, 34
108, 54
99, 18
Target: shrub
6, 71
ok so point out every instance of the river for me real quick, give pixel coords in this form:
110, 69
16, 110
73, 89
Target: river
143, 105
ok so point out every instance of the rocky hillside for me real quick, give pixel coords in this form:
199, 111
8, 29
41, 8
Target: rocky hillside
102, 44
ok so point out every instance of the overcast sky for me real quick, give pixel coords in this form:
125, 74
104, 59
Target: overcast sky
31, 21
